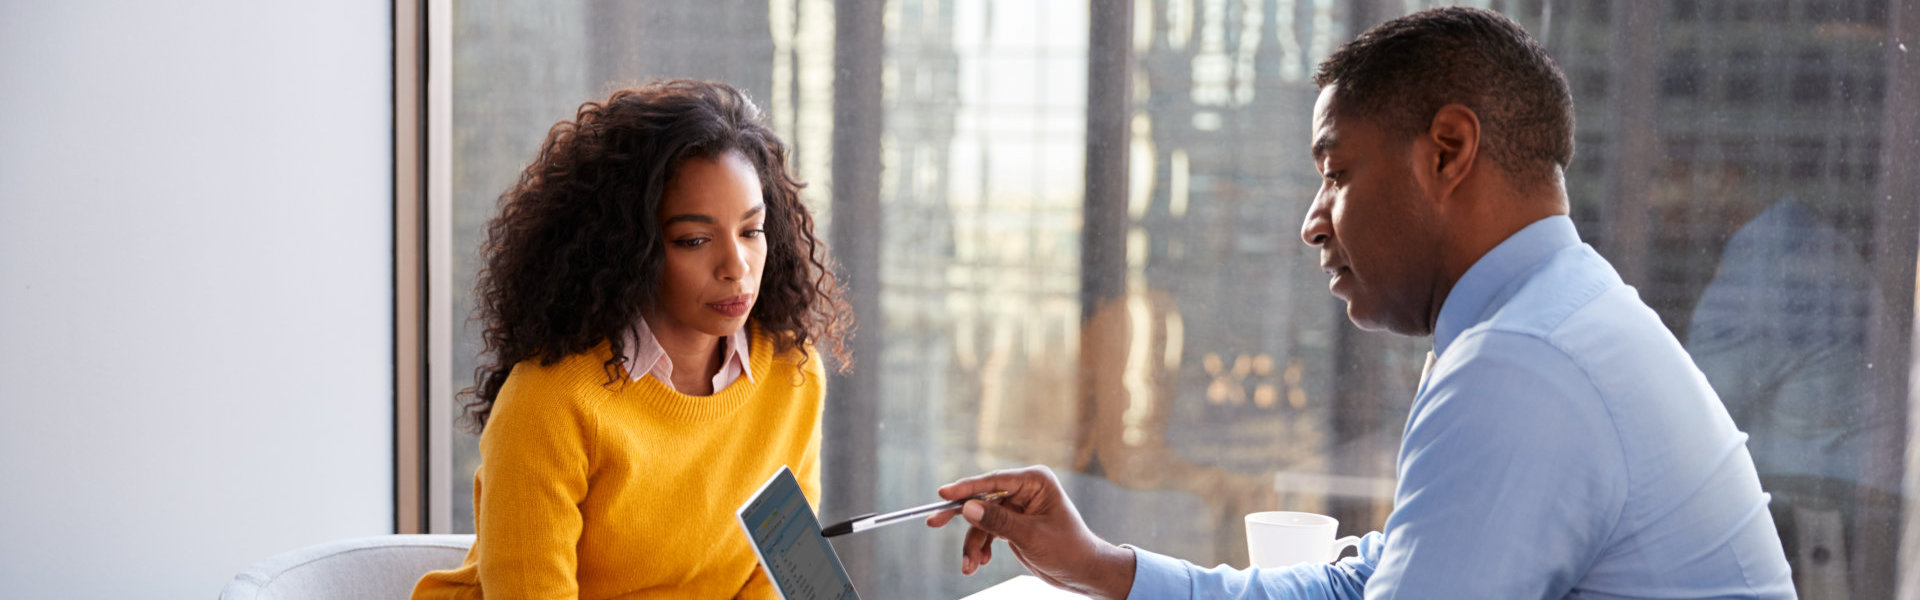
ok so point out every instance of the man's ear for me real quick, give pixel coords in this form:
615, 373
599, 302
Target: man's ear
1454, 138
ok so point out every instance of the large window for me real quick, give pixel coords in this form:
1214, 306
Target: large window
1112, 282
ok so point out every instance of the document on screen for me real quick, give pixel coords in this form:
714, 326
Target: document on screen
786, 536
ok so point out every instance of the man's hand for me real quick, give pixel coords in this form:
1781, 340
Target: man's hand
1044, 530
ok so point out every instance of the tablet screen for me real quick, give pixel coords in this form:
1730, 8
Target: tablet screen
786, 536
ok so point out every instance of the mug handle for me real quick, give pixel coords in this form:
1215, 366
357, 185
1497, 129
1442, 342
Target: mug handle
1341, 545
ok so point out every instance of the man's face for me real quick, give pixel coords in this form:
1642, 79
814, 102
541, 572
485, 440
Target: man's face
1376, 230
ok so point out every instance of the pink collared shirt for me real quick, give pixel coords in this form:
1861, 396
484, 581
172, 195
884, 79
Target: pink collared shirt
646, 357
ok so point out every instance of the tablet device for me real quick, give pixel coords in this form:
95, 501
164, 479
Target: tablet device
786, 536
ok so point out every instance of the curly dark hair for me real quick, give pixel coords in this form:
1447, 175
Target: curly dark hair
574, 256
1403, 71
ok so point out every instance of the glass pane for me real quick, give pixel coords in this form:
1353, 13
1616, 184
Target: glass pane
1729, 163
1731, 171
520, 66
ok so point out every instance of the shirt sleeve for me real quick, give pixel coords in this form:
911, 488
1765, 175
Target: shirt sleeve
1157, 576
1511, 476
534, 466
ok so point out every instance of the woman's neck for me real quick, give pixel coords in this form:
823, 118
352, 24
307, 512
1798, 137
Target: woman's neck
696, 358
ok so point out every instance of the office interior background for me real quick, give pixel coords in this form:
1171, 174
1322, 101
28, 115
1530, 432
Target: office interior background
237, 241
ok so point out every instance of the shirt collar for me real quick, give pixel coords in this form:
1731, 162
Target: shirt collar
1477, 289
646, 357
737, 364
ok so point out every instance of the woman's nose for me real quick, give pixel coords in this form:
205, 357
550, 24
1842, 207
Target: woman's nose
733, 265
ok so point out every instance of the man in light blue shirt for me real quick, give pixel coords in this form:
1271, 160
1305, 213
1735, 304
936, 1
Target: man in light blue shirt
1561, 444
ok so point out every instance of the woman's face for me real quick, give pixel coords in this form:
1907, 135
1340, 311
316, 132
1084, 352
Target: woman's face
711, 221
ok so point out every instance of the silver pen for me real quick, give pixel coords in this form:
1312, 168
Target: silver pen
870, 521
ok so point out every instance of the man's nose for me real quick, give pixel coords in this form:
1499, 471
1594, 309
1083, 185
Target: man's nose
1318, 228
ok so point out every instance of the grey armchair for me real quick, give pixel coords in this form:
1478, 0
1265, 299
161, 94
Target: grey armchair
376, 567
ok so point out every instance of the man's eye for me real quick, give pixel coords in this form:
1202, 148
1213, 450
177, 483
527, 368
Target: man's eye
1334, 176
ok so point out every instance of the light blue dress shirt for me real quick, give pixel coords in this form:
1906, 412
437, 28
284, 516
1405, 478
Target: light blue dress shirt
1562, 446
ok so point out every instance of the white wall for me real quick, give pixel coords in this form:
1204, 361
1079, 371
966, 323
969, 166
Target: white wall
195, 295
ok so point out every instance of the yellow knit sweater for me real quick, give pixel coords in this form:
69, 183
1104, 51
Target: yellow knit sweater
631, 492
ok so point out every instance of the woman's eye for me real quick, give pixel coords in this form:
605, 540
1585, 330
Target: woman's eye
690, 242
753, 233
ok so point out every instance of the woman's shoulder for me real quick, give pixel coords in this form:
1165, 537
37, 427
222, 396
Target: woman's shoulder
579, 377
785, 353
543, 400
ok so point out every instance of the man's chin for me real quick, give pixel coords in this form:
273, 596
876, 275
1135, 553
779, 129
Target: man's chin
1365, 324
1376, 323
1367, 320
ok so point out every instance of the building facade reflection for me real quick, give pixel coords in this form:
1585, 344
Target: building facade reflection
1222, 378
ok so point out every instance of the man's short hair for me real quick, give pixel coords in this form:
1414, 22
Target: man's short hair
1400, 73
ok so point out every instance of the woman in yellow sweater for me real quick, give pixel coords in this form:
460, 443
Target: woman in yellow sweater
651, 295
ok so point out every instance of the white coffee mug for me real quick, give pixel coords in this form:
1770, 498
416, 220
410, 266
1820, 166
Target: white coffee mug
1281, 538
